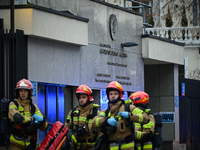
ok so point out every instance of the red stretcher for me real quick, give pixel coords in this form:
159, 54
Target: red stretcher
55, 137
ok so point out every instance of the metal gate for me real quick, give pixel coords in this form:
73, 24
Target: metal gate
189, 110
13, 60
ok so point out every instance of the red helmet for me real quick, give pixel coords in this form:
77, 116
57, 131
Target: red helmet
139, 97
24, 84
114, 85
86, 90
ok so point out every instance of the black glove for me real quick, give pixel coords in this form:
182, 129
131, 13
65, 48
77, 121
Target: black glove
106, 128
67, 143
147, 136
31, 127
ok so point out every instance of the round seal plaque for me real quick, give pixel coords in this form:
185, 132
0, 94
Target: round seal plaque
113, 26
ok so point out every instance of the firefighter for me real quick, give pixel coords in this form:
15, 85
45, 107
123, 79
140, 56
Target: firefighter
144, 133
79, 120
113, 123
25, 118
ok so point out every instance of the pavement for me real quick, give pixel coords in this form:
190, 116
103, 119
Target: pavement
2, 148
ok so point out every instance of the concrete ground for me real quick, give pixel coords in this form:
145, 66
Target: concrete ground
2, 148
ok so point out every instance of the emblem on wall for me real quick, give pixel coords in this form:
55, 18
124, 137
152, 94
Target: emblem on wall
113, 26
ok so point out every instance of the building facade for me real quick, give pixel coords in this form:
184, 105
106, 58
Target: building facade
94, 42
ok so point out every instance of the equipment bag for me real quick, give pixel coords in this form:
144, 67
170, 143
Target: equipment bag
5, 121
54, 137
4, 115
157, 136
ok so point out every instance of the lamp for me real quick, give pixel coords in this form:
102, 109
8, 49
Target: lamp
129, 44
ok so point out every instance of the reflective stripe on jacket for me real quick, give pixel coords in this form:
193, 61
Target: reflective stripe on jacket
24, 109
122, 130
142, 129
80, 119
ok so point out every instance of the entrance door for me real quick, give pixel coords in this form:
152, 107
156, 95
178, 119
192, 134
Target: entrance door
51, 105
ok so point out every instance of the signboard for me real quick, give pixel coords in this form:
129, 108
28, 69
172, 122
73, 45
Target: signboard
168, 117
19, 2
34, 89
103, 99
176, 101
183, 89
125, 96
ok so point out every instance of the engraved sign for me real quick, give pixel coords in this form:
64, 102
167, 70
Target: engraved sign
113, 26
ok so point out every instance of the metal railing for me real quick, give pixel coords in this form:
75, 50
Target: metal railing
187, 35
140, 6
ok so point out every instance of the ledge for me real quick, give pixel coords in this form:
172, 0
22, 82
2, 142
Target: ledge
46, 23
62, 13
162, 39
157, 50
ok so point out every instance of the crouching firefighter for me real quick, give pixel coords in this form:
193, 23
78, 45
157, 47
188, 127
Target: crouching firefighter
116, 122
144, 132
25, 118
79, 121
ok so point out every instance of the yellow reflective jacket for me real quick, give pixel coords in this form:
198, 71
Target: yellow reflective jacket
122, 130
24, 109
140, 130
80, 120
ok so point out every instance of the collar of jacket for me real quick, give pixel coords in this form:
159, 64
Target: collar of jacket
115, 106
84, 109
24, 102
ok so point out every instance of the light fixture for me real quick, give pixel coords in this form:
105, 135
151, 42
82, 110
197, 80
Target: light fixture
129, 44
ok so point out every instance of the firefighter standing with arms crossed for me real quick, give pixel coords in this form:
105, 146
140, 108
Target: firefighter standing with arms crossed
144, 133
25, 118
79, 120
121, 137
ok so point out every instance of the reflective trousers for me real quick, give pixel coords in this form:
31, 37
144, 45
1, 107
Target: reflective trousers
122, 146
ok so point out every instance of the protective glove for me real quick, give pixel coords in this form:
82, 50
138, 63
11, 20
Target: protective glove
124, 114
38, 118
31, 127
112, 121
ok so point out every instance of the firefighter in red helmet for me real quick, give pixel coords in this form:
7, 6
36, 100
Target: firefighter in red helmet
114, 122
79, 120
144, 133
25, 118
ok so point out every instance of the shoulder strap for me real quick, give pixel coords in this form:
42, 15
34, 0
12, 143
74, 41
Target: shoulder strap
94, 111
127, 107
16, 103
72, 116
107, 111
32, 108
73, 109
130, 123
